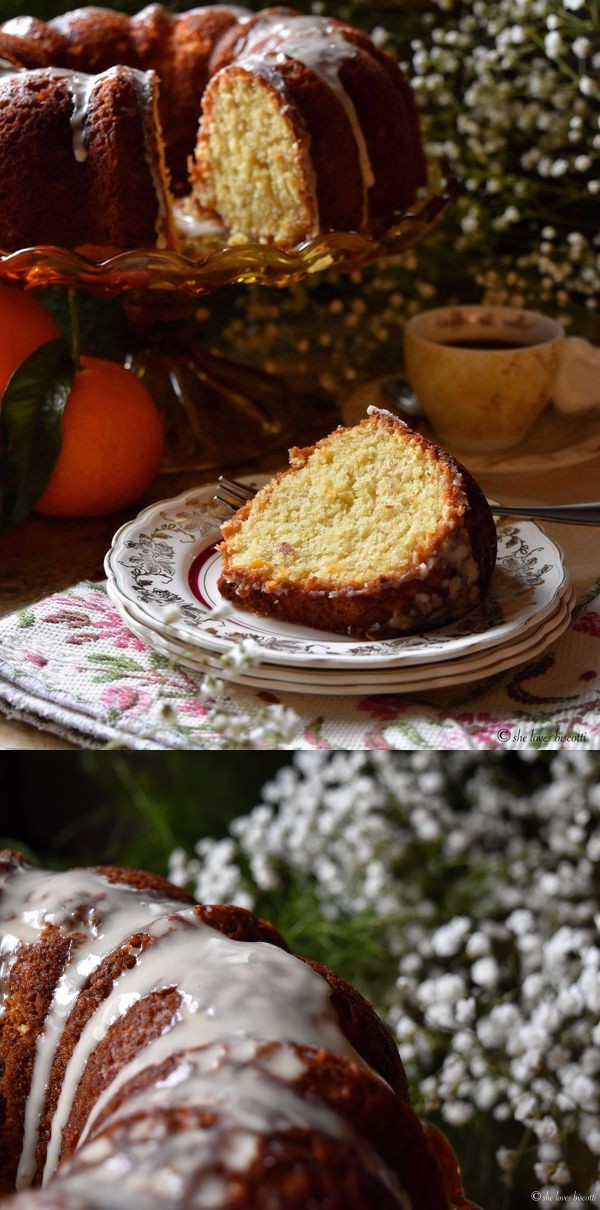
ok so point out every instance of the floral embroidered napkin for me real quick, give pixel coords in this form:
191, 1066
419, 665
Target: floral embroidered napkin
69, 665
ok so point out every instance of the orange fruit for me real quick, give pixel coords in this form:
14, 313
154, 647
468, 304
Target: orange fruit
112, 442
24, 326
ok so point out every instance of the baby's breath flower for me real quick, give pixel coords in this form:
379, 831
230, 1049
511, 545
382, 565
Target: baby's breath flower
171, 613
380, 35
581, 47
553, 45
457, 1113
256, 726
495, 1008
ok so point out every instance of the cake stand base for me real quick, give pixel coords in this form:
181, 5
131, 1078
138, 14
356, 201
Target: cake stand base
217, 413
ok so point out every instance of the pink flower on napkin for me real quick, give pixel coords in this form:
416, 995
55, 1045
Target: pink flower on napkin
192, 706
34, 657
98, 620
67, 617
122, 698
589, 623
384, 708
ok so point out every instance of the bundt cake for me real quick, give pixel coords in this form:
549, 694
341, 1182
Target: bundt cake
158, 1053
372, 529
81, 161
306, 126
336, 115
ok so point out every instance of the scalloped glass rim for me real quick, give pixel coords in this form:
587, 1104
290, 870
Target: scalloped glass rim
219, 264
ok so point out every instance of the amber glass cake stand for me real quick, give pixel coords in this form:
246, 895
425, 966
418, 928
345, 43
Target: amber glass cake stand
217, 413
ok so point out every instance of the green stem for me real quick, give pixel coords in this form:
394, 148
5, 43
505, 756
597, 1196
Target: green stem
520, 1152
74, 318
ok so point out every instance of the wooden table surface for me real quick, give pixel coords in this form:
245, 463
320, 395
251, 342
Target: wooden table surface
42, 556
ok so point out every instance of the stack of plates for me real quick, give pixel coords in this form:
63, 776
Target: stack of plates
163, 568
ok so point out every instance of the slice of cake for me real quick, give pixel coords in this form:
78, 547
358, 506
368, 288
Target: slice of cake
309, 128
371, 529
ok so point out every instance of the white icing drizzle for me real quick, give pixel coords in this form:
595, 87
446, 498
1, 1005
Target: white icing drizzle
242, 15
192, 227
321, 46
267, 67
256, 1096
223, 985
9, 69
146, 87
154, 1054
198, 1166
77, 901
81, 87
243, 1006
19, 27
373, 410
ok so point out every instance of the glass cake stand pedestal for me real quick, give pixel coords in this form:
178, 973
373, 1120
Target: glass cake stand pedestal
217, 413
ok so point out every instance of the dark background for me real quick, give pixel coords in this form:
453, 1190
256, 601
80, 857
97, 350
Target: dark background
51, 8
106, 807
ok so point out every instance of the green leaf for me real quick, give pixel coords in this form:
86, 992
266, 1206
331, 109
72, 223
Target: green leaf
30, 423
117, 663
26, 618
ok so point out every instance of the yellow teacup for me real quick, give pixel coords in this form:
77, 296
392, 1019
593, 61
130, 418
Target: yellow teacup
482, 374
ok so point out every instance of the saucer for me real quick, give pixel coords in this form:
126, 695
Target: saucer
555, 440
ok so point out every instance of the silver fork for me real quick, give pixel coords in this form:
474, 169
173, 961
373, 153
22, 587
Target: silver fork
234, 494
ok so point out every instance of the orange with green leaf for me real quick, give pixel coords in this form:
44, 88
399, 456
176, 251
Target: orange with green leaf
24, 326
79, 436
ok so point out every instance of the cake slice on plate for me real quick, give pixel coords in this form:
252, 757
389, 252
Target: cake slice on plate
373, 529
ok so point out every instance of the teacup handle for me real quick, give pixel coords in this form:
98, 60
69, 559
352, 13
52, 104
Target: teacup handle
577, 384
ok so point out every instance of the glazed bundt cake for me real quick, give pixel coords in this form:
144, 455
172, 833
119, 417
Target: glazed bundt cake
158, 1053
372, 529
336, 116
81, 161
306, 126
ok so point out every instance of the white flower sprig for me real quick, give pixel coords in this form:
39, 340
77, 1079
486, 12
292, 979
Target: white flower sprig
259, 726
510, 94
485, 887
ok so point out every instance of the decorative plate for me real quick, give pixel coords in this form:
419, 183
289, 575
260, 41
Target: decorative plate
165, 566
406, 679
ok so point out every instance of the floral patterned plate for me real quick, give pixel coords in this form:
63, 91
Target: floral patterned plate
281, 679
195, 655
163, 567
